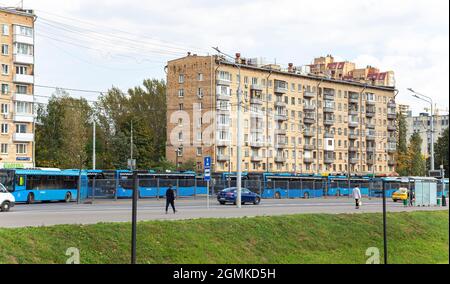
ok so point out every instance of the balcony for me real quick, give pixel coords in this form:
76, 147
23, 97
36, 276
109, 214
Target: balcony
353, 112
328, 135
354, 161
23, 137
23, 117
391, 116
223, 81
23, 59
256, 144
308, 160
279, 159
24, 79
392, 139
391, 149
353, 124
328, 109
23, 98
223, 143
370, 125
309, 147
223, 158
281, 144
370, 137
391, 163
370, 160
353, 149
309, 94
309, 108
256, 87
280, 87
280, 104
392, 105
223, 97
308, 133
353, 99
370, 113
328, 160
370, 102
281, 117
255, 158
23, 39
353, 136
370, 150
256, 101
328, 96
280, 131
328, 122
309, 120
391, 128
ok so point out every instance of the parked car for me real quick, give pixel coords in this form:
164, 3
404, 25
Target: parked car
229, 195
7, 200
400, 195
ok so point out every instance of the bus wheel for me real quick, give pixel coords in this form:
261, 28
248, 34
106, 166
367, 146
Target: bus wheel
5, 207
30, 198
68, 197
277, 195
306, 195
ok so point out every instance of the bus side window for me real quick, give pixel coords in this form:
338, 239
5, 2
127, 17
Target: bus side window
20, 181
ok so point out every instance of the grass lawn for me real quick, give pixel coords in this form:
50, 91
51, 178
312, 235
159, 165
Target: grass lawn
417, 237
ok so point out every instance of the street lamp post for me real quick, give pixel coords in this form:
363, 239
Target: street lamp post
430, 101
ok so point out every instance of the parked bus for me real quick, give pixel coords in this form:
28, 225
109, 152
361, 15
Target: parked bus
43, 185
153, 184
343, 186
293, 186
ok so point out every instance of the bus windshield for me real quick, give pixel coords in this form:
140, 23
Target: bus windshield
2, 188
7, 179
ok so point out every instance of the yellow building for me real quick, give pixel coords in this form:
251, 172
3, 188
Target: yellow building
17, 88
291, 122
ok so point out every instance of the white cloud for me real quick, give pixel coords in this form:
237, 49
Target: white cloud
410, 37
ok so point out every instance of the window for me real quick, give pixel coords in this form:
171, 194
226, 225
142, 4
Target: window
5, 69
23, 107
5, 30
5, 89
199, 151
22, 70
21, 89
21, 149
200, 77
181, 93
5, 49
24, 31
5, 128
4, 149
21, 128
181, 78
5, 109
22, 48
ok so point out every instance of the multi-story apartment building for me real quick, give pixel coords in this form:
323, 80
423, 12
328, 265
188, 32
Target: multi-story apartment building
422, 124
291, 122
404, 110
17, 88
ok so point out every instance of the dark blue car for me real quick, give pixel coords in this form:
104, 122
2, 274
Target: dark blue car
229, 195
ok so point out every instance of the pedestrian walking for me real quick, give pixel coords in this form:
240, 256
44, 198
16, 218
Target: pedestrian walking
357, 196
412, 197
170, 199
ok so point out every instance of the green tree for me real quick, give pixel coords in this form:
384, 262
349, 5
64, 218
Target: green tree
189, 165
402, 156
416, 161
441, 150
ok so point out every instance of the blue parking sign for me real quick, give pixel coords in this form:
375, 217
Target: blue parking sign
207, 166
207, 162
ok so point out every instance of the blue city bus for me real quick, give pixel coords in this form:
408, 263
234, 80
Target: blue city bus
44, 185
340, 185
442, 187
102, 183
153, 184
293, 186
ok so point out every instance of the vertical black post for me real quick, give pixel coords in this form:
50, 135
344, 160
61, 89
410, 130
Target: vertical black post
93, 189
384, 226
134, 217
79, 188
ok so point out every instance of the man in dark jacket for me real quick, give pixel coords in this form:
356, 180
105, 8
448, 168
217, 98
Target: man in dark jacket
170, 199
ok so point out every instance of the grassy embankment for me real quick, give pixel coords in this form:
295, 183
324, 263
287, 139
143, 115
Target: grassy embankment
419, 237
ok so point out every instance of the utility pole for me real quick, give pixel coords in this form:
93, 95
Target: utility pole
239, 134
131, 141
93, 144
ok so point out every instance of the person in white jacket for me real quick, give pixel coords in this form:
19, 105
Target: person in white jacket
357, 196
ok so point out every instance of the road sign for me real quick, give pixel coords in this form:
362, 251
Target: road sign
207, 167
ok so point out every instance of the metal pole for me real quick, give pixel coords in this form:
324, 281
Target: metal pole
207, 194
239, 144
384, 227
93, 145
432, 138
131, 143
134, 218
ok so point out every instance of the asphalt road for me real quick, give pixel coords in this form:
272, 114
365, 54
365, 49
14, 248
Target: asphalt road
120, 211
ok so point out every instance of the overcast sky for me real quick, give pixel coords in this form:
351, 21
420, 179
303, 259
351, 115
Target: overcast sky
75, 44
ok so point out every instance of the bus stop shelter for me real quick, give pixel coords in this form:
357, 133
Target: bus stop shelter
425, 191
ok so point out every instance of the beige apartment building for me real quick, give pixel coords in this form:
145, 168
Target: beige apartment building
292, 122
17, 88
